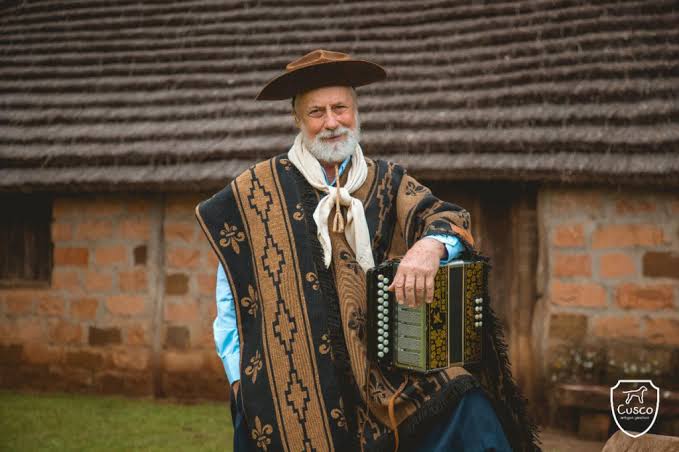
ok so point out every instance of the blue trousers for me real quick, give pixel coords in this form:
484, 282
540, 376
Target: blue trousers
472, 426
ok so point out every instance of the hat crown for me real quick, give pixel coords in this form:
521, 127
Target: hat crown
319, 56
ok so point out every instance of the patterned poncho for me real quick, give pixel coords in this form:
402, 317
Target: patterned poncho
306, 380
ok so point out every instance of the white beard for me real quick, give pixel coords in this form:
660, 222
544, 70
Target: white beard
333, 152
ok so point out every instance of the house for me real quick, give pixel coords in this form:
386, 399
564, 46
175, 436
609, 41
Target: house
555, 123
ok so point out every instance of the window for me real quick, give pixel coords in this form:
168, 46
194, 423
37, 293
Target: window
25, 239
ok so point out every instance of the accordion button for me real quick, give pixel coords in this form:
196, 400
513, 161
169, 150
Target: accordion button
385, 303
386, 334
380, 293
386, 349
380, 285
380, 354
380, 347
380, 323
479, 300
386, 280
380, 316
480, 324
380, 331
380, 277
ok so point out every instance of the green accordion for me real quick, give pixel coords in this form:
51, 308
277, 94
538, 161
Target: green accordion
430, 337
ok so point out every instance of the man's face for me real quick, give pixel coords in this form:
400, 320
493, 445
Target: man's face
328, 119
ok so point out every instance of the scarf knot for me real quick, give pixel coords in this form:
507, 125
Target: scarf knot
356, 227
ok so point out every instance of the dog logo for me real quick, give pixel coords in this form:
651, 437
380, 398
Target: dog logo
635, 405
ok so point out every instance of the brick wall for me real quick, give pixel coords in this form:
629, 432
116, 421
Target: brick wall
609, 282
129, 307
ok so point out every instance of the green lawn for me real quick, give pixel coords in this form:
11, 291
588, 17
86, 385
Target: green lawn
38, 422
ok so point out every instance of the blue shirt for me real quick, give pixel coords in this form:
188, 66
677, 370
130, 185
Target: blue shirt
225, 328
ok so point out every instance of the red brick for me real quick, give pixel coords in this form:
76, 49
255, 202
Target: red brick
569, 236
183, 258
111, 254
63, 332
94, 230
627, 235
137, 206
572, 265
26, 330
617, 327
568, 202
20, 301
635, 206
616, 265
663, 331
661, 265
125, 305
135, 229
66, 280
182, 206
184, 311
61, 232
131, 358
133, 281
578, 294
51, 306
568, 327
71, 256
39, 353
84, 309
98, 281
105, 206
210, 260
207, 283
634, 296
176, 284
174, 361
179, 231
136, 335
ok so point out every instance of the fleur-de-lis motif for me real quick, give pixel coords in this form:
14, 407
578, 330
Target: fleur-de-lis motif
357, 322
251, 302
338, 415
376, 389
286, 164
326, 346
262, 434
230, 237
413, 189
254, 367
299, 212
313, 279
350, 262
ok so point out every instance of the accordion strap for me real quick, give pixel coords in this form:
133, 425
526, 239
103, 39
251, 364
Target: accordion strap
392, 414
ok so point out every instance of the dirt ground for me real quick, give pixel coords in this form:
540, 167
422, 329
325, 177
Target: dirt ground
561, 441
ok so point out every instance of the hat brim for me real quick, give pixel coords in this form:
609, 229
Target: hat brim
336, 73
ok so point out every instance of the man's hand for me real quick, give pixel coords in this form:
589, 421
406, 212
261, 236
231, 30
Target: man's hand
414, 280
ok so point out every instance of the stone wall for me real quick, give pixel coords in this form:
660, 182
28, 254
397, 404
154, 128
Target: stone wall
609, 285
129, 307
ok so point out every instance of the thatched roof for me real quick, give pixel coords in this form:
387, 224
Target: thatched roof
159, 94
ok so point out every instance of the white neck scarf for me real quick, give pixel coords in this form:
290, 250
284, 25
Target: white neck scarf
356, 228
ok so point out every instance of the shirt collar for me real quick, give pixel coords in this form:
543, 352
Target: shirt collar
341, 170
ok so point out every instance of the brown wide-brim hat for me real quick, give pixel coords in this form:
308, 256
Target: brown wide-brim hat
318, 69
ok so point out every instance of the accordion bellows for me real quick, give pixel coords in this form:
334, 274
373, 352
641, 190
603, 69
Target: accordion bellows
430, 337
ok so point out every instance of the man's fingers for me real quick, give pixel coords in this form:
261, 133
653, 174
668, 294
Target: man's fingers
420, 289
409, 289
429, 288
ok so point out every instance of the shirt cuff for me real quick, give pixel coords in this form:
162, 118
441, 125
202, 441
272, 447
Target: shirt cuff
453, 246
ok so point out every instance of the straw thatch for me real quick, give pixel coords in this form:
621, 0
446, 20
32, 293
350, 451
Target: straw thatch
159, 94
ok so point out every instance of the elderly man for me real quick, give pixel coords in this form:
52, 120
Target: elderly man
295, 235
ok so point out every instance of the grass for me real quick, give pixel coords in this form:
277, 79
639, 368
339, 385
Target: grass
66, 422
